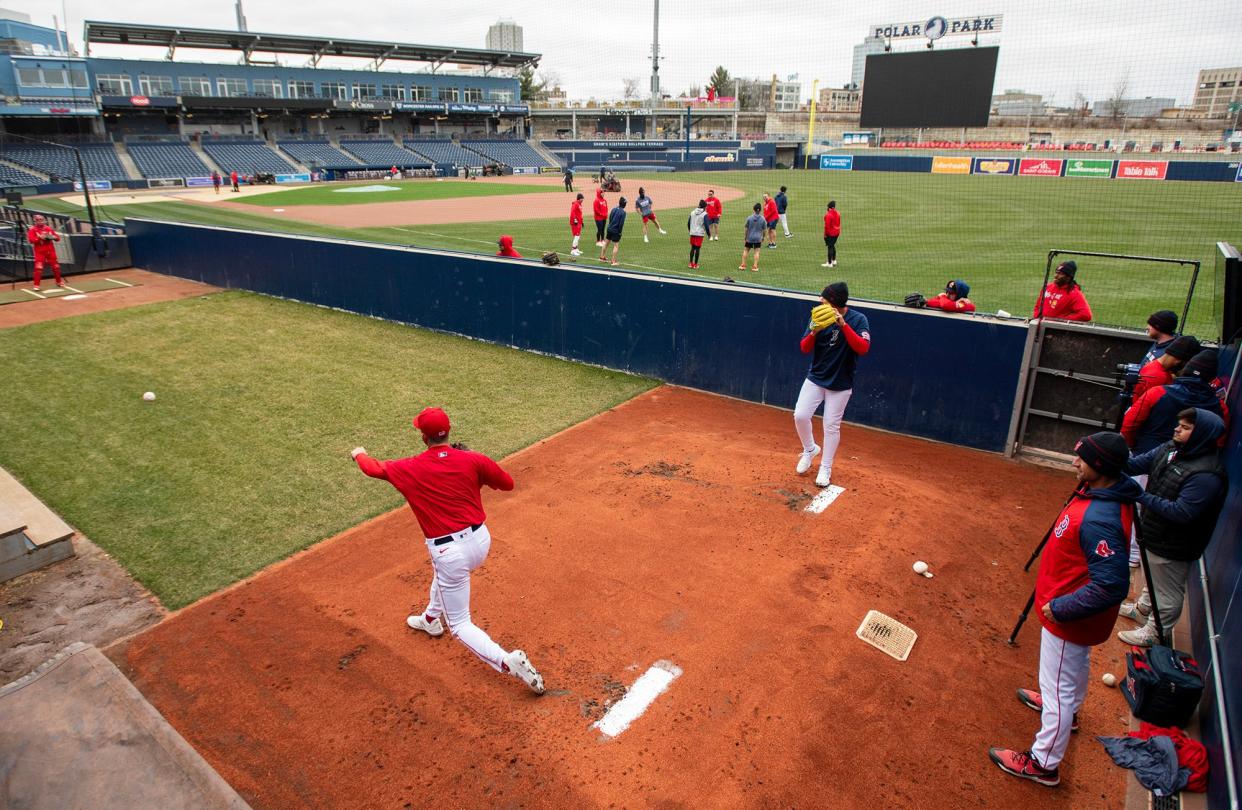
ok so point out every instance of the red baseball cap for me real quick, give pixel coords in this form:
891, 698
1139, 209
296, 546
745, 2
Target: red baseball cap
433, 422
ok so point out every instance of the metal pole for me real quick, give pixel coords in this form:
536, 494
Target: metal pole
655, 62
737, 100
686, 156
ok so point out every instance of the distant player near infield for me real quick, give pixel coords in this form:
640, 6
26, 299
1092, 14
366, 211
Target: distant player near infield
782, 207
644, 205
835, 338
442, 486
832, 232
771, 216
715, 210
575, 224
756, 227
43, 238
600, 209
696, 224
616, 224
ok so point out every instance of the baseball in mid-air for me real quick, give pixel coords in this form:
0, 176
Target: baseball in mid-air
1109, 679
920, 567
149, 396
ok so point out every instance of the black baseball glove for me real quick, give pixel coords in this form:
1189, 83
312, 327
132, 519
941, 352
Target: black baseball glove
551, 259
459, 446
916, 300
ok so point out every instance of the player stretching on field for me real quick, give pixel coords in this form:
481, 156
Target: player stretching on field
834, 351
600, 209
442, 487
1084, 575
756, 227
646, 208
575, 224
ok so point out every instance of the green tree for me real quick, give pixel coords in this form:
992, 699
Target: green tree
531, 87
722, 81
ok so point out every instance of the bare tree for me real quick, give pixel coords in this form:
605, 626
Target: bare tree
1115, 107
1080, 106
630, 88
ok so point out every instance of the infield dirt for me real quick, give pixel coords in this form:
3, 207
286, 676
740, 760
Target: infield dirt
670, 527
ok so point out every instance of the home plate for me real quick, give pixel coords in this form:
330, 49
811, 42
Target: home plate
76, 297
650, 685
825, 497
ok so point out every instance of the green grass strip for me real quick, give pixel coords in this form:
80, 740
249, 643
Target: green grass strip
402, 191
243, 457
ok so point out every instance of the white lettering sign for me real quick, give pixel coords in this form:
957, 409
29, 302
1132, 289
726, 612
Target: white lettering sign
937, 27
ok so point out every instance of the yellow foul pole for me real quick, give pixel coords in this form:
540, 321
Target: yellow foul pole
810, 124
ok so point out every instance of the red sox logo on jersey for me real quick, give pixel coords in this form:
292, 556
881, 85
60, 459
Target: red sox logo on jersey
1103, 549
1062, 526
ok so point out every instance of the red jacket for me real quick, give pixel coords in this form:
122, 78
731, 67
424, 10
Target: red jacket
832, 223
600, 206
575, 213
1151, 375
769, 210
1084, 571
39, 236
714, 208
944, 302
1068, 304
506, 248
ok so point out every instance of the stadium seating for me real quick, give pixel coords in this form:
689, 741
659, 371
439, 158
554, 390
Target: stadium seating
246, 157
167, 159
317, 153
447, 152
61, 164
16, 177
383, 154
510, 153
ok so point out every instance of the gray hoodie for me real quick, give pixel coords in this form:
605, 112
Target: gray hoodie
697, 222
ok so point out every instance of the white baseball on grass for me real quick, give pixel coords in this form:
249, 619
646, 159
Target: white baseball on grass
920, 567
149, 396
1109, 679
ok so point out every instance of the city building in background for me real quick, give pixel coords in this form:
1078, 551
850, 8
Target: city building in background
839, 99
868, 46
770, 95
1215, 92
1132, 107
1018, 103
505, 35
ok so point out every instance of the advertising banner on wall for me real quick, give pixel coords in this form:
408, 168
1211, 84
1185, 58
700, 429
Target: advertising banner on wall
198, 182
950, 165
94, 185
1238, 177
836, 162
990, 165
1142, 169
1089, 168
293, 178
1040, 167
165, 182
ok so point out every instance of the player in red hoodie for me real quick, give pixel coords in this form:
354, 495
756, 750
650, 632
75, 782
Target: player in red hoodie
600, 209
43, 236
575, 224
832, 232
1084, 575
506, 247
714, 211
772, 217
1063, 298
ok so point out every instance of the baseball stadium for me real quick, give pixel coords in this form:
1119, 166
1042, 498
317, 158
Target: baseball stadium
490, 424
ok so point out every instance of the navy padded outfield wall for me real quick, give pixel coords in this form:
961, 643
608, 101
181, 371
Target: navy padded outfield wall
727, 339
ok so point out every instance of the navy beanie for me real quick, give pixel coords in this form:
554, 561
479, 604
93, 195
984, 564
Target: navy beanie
1163, 321
1069, 268
1183, 348
1106, 452
836, 293
1202, 365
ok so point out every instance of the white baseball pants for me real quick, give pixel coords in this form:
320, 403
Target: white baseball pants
1064, 671
785, 224
809, 399
450, 590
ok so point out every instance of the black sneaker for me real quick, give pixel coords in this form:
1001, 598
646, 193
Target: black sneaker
1034, 700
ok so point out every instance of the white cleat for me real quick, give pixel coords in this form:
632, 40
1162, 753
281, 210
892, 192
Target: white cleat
519, 666
824, 478
826, 264
804, 460
645, 239
575, 252
663, 232
419, 622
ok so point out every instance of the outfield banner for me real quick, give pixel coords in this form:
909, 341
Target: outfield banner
1142, 169
842, 163
1238, 177
1089, 168
199, 182
165, 182
1040, 167
550, 170
293, 178
95, 185
942, 164
755, 162
990, 165
728, 157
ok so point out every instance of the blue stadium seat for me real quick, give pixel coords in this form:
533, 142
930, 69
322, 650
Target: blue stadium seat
384, 154
447, 152
16, 177
61, 165
167, 159
246, 157
317, 153
511, 153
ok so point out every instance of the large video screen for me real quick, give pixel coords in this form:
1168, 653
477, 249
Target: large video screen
949, 88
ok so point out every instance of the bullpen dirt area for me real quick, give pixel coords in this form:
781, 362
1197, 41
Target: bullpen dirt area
670, 530
148, 288
666, 193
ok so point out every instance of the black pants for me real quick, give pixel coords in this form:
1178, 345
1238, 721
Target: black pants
600, 224
694, 253
569, 184
831, 242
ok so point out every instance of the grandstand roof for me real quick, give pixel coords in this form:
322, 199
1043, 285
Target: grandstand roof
248, 42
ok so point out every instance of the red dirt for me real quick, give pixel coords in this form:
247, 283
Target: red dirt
152, 287
666, 193
670, 527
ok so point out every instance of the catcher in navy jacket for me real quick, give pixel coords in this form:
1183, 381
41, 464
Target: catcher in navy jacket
1084, 575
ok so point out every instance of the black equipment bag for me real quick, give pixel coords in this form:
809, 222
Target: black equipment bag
1163, 685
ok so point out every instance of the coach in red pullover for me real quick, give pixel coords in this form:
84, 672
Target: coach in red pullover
505, 243
42, 237
1084, 575
600, 209
1063, 298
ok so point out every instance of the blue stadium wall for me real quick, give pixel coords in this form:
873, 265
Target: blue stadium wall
732, 340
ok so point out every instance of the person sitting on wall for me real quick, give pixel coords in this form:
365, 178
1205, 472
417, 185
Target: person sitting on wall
953, 299
506, 247
1063, 298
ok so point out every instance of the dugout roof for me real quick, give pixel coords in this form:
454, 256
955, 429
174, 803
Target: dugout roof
249, 42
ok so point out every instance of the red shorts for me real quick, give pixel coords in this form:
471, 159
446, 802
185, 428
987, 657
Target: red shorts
696, 241
576, 229
648, 217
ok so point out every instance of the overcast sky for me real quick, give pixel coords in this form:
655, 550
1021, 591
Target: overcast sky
1055, 47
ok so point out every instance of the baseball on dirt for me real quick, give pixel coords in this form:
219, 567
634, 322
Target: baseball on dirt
149, 396
1109, 679
920, 567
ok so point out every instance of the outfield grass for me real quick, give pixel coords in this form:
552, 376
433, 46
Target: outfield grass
901, 233
402, 191
243, 457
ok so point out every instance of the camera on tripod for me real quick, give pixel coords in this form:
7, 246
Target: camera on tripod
1126, 376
